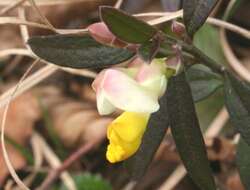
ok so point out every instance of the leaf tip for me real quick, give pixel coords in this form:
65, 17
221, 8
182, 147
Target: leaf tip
104, 9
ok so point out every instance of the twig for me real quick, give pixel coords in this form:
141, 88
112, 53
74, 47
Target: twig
130, 185
49, 2
217, 124
53, 175
3, 123
233, 61
42, 17
229, 8
13, 64
118, 4
38, 77
229, 26
8, 185
213, 130
80, 72
12, 6
38, 159
164, 17
23, 28
168, 17
28, 83
15, 51
54, 161
177, 175
195, 51
50, 26
17, 21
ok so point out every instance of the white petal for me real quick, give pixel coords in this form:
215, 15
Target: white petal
104, 107
125, 93
157, 85
153, 77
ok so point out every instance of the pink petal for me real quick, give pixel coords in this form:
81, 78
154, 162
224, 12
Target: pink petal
125, 93
100, 32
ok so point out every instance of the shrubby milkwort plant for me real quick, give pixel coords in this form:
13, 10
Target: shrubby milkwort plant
152, 78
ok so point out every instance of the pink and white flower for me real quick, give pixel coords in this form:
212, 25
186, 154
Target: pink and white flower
135, 89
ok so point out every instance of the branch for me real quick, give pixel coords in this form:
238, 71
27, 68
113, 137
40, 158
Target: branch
54, 174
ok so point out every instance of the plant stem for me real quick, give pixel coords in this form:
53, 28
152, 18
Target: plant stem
213, 65
198, 54
53, 174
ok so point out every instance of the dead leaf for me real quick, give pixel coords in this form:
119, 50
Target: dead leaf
75, 122
10, 38
22, 114
234, 183
17, 160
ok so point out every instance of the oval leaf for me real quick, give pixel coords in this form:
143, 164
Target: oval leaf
158, 124
243, 162
196, 13
237, 98
77, 51
126, 27
203, 82
187, 134
207, 39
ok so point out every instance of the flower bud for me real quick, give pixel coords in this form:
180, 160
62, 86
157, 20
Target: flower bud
178, 28
100, 32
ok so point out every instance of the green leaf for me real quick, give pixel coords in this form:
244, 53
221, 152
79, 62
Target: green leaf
237, 100
243, 162
77, 51
203, 82
196, 13
156, 130
207, 39
126, 27
89, 182
149, 49
187, 134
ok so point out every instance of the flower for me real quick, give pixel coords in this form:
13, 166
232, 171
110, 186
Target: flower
136, 91
115, 89
153, 77
133, 89
125, 134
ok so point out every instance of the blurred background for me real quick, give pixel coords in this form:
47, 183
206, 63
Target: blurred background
56, 121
